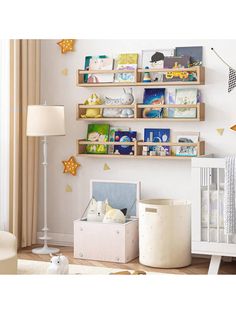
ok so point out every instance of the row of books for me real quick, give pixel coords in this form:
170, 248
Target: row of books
104, 133
161, 96
179, 57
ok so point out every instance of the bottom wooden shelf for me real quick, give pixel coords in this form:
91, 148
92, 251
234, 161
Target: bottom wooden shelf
81, 150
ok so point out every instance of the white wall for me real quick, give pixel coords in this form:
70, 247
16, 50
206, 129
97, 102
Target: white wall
168, 179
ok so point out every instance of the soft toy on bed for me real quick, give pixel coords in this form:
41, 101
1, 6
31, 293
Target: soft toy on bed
114, 215
59, 265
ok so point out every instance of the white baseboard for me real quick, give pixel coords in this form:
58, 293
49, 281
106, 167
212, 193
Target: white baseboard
58, 239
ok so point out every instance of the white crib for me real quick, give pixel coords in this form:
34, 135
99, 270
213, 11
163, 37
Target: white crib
207, 212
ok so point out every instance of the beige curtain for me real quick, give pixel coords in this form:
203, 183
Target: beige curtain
25, 90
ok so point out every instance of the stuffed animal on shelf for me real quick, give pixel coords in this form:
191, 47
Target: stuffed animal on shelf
96, 210
113, 215
125, 100
59, 265
93, 100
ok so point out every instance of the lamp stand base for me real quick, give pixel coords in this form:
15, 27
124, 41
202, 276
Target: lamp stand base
45, 250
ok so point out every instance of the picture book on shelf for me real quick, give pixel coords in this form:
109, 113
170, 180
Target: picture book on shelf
126, 61
114, 129
97, 133
153, 96
186, 137
97, 63
154, 59
176, 63
194, 52
158, 135
86, 65
186, 96
169, 100
124, 137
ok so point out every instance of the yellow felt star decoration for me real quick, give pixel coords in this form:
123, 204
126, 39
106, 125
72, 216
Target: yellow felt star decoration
66, 45
71, 165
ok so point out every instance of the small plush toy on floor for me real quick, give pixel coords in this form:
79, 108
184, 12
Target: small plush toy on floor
59, 265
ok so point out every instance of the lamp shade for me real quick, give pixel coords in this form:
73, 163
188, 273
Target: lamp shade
43, 120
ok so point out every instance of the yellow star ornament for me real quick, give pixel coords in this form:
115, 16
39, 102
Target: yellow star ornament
66, 45
70, 166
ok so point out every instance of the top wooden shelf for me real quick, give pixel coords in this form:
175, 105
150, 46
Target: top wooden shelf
199, 70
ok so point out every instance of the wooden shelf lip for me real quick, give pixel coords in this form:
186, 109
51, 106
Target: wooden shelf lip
133, 156
84, 142
119, 84
196, 68
106, 71
170, 106
141, 119
106, 106
191, 69
140, 143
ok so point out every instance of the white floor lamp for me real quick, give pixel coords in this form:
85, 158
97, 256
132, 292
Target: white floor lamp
43, 121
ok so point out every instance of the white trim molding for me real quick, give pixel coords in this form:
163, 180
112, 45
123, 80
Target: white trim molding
62, 239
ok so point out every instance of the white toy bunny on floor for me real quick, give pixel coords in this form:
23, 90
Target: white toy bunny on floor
59, 265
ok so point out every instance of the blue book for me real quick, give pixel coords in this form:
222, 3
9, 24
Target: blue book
124, 136
153, 96
158, 135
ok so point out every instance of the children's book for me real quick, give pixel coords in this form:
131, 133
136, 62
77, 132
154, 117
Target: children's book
97, 63
194, 52
158, 135
126, 61
186, 137
153, 96
86, 65
169, 100
114, 129
154, 59
186, 96
97, 133
176, 63
124, 137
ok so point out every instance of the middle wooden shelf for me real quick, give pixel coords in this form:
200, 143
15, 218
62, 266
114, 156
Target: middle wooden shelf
138, 109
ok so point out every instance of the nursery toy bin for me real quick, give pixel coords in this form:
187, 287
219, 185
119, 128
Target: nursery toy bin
165, 233
111, 242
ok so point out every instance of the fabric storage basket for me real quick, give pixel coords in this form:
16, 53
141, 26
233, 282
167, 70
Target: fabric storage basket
112, 242
164, 233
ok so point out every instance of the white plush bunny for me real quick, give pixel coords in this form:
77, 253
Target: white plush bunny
59, 265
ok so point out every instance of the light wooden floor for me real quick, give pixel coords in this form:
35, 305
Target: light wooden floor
199, 265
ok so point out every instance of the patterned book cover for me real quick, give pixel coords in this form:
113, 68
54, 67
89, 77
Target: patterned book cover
124, 137
98, 63
176, 63
158, 135
126, 61
186, 96
97, 133
153, 96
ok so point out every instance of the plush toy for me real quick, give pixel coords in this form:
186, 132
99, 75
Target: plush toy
113, 215
59, 265
126, 100
96, 210
93, 100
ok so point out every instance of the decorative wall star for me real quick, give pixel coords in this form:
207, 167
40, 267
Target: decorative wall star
66, 45
71, 165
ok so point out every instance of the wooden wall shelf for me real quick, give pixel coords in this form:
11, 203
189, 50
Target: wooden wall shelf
199, 70
81, 149
81, 110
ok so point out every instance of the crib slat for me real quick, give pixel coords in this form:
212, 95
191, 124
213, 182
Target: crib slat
218, 205
208, 204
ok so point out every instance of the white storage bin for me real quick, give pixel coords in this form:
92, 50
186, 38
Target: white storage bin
111, 242
164, 233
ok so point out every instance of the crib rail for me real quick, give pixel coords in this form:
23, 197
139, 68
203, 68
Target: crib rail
207, 182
